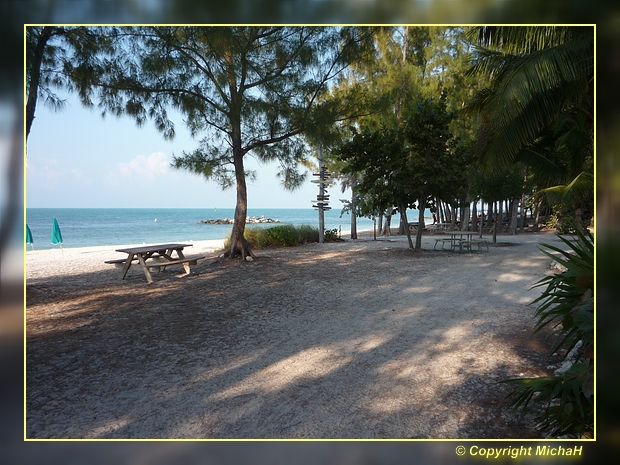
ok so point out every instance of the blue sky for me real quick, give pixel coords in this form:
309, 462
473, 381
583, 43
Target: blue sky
77, 159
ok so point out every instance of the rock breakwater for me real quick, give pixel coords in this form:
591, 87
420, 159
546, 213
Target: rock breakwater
249, 220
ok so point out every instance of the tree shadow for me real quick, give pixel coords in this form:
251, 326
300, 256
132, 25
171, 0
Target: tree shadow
277, 348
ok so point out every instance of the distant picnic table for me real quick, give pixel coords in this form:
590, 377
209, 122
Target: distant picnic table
462, 240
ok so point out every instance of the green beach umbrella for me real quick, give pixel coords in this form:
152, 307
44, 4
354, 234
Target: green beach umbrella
29, 237
56, 236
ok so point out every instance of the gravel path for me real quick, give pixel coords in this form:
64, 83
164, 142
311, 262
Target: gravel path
354, 339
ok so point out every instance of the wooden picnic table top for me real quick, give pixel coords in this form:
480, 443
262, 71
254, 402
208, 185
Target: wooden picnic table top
461, 233
153, 248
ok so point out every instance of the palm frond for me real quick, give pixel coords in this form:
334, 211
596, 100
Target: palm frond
582, 184
536, 74
522, 39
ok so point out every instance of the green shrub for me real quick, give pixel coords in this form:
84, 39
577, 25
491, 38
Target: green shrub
308, 234
563, 220
566, 303
331, 234
252, 235
279, 236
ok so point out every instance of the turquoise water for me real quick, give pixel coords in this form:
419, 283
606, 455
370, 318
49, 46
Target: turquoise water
85, 227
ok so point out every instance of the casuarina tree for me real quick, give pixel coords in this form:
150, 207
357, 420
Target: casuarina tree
241, 90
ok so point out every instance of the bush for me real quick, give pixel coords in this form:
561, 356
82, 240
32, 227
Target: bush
563, 220
331, 235
308, 234
566, 303
279, 236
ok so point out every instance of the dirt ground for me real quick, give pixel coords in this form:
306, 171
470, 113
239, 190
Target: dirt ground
353, 339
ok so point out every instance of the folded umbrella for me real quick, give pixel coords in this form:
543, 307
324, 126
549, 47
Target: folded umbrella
29, 237
56, 236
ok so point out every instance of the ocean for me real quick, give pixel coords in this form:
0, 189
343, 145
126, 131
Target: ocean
87, 227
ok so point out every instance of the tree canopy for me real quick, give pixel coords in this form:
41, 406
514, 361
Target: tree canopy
273, 92
241, 90
403, 165
539, 105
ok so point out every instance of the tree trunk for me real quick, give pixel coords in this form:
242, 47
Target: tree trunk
494, 222
465, 216
452, 218
35, 76
440, 212
421, 223
474, 217
353, 215
513, 217
380, 225
481, 217
403, 215
536, 216
578, 220
500, 216
403, 226
238, 245
387, 231
523, 209
523, 213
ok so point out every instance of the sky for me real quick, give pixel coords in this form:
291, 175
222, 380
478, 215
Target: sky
77, 159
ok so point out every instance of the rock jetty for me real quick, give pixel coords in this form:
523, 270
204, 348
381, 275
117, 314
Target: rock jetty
249, 220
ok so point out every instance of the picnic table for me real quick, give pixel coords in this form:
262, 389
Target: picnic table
155, 256
462, 240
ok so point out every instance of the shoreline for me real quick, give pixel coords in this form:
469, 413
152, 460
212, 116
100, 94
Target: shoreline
45, 263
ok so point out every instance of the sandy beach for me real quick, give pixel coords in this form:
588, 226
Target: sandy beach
353, 339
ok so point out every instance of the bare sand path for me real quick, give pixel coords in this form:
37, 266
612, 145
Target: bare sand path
356, 339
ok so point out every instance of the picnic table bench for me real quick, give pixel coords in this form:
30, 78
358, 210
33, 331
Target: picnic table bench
119, 262
186, 262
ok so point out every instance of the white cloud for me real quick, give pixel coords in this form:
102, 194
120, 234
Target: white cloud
79, 176
144, 167
48, 170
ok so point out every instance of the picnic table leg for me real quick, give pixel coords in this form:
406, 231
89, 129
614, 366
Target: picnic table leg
182, 257
127, 265
453, 243
145, 268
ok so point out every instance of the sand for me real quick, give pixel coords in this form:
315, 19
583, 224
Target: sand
353, 339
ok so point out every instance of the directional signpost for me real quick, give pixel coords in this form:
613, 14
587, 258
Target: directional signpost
322, 200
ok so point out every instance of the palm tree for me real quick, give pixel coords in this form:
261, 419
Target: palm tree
539, 106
